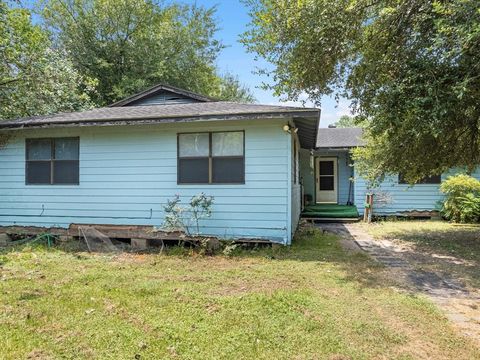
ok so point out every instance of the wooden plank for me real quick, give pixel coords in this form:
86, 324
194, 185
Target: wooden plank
127, 231
32, 230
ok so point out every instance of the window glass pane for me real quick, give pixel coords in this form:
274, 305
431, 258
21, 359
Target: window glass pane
193, 145
39, 149
66, 149
228, 170
38, 172
434, 179
193, 171
326, 167
326, 183
227, 144
65, 172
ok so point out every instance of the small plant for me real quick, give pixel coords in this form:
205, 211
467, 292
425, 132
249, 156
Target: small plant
173, 215
200, 208
462, 198
229, 249
470, 205
183, 218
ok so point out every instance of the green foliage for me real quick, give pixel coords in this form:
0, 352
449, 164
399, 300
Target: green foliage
470, 208
346, 121
173, 215
184, 218
462, 198
410, 68
34, 77
130, 45
231, 89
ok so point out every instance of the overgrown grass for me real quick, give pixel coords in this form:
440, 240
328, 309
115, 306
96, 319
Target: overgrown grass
446, 246
309, 301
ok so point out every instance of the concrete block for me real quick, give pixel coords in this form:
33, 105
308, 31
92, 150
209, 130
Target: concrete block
139, 244
4, 239
65, 238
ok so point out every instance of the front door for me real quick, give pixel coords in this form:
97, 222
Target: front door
326, 179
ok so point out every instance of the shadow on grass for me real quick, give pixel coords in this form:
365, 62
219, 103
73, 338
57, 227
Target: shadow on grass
453, 249
464, 241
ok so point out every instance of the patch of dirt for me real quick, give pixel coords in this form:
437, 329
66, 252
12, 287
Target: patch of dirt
39, 354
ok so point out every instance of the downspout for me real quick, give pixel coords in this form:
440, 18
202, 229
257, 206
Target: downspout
288, 238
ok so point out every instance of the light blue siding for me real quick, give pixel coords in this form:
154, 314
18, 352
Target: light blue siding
393, 198
128, 173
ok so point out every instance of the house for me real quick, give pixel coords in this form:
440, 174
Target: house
330, 178
119, 165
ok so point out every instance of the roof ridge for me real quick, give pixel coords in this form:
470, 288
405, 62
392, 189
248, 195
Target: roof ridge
161, 86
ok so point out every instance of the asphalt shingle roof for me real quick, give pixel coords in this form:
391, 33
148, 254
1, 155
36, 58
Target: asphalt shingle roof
339, 137
306, 119
164, 113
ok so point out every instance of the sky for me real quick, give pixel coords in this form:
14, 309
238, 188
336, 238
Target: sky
233, 18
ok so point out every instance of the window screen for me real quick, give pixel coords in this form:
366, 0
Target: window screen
52, 161
227, 170
193, 171
211, 158
327, 183
326, 174
434, 179
326, 167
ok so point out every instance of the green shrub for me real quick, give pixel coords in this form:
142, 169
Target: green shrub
462, 198
470, 205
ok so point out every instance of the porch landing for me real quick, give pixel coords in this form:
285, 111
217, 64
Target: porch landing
330, 211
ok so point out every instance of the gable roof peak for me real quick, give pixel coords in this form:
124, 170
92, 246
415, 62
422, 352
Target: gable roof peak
157, 89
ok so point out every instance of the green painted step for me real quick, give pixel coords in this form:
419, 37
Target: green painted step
330, 211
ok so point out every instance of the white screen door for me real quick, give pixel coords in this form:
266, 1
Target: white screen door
326, 179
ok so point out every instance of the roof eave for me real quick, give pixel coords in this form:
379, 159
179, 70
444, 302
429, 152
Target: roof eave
160, 120
337, 148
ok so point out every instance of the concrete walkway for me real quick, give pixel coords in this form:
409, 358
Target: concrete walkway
460, 305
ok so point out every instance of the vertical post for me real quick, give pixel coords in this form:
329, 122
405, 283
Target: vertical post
367, 213
370, 211
365, 208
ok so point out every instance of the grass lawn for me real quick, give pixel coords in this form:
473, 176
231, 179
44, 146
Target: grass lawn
310, 301
438, 245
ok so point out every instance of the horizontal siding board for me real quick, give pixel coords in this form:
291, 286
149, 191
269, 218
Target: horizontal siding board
126, 171
270, 211
403, 197
157, 214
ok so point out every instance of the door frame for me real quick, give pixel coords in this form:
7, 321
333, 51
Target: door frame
335, 178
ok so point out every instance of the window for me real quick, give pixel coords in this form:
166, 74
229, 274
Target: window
326, 175
211, 158
52, 161
434, 179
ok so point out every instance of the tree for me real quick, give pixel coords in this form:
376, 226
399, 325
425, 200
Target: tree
232, 89
130, 45
346, 121
411, 68
34, 78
